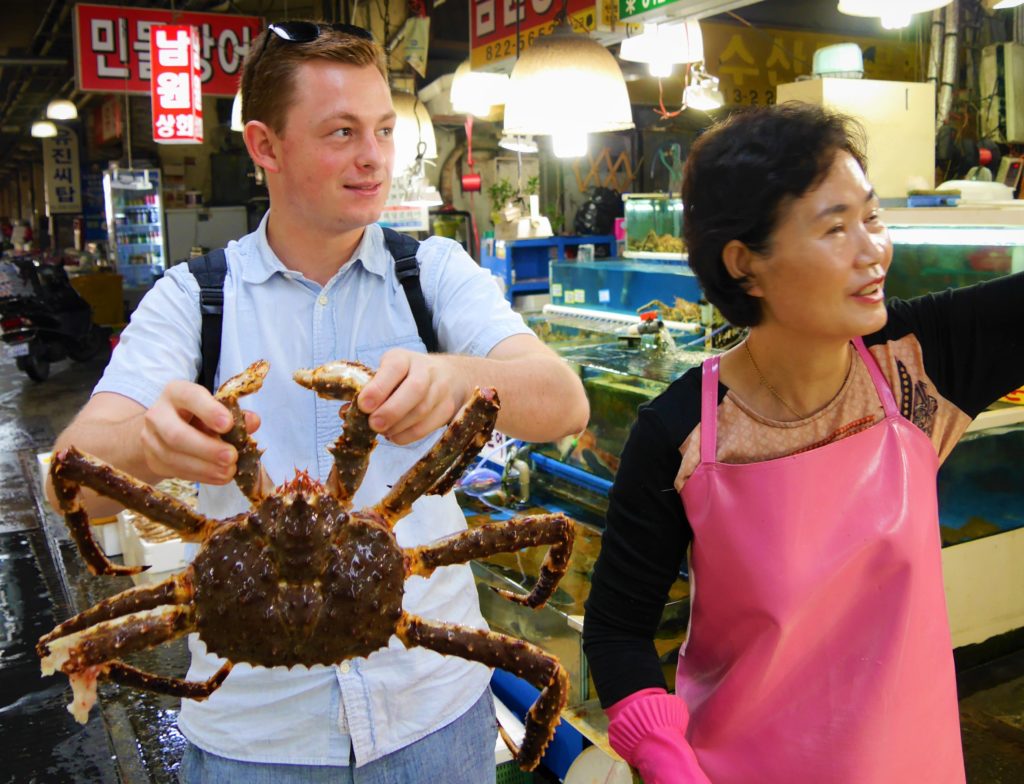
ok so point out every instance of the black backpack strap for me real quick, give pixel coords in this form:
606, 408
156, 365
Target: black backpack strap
210, 271
403, 248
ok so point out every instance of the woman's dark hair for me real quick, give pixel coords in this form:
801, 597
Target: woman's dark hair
738, 178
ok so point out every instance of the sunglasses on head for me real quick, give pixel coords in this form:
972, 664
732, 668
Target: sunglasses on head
306, 32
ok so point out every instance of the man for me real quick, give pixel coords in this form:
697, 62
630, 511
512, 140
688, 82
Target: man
312, 284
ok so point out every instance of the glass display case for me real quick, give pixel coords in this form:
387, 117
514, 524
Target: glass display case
624, 286
654, 226
135, 220
933, 258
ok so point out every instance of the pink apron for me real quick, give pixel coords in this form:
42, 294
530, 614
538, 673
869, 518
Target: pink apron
819, 649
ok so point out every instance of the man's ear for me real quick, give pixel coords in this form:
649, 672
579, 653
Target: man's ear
262, 144
739, 263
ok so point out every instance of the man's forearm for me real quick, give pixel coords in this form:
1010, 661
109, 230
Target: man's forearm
542, 399
115, 442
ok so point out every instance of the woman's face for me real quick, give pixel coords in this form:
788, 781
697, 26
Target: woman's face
824, 273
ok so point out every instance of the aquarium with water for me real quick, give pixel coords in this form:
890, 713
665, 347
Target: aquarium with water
654, 226
934, 258
625, 286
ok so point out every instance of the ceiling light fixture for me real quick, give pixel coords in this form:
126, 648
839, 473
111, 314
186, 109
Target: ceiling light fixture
61, 109
236, 112
414, 131
703, 93
476, 92
566, 85
44, 129
517, 142
893, 14
662, 46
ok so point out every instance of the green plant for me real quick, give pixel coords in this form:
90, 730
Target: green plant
533, 185
500, 193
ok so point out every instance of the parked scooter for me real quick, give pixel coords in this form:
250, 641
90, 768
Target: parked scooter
43, 318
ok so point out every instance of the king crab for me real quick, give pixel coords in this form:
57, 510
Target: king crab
299, 579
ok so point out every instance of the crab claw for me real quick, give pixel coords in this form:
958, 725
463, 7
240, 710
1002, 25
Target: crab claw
341, 380
336, 380
249, 474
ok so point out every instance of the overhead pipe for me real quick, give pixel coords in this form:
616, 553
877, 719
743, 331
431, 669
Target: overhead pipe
935, 52
7, 60
949, 63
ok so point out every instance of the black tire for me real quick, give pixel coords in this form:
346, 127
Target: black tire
34, 366
90, 345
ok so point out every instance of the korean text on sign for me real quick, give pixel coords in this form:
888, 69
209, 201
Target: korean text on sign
176, 84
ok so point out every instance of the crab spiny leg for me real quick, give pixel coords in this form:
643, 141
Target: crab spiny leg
174, 590
344, 381
506, 536
516, 656
438, 470
83, 655
249, 474
72, 468
126, 675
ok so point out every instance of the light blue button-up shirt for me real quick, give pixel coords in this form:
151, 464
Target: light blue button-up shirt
394, 697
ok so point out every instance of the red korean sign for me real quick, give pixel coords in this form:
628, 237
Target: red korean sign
492, 25
176, 84
112, 47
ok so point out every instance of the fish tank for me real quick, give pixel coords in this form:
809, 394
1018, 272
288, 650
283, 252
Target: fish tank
934, 249
934, 258
557, 627
624, 286
654, 226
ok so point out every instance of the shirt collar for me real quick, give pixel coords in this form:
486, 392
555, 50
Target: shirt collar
260, 261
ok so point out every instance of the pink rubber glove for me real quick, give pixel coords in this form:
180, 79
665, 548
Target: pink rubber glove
648, 730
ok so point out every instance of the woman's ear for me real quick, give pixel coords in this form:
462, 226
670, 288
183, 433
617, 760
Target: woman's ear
262, 144
739, 263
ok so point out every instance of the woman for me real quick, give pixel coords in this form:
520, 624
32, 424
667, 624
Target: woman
799, 469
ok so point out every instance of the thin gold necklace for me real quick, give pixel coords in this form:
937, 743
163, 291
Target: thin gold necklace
768, 386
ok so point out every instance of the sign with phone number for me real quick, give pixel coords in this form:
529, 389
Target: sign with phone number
492, 33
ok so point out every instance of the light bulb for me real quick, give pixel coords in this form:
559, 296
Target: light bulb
569, 144
43, 129
661, 68
61, 109
895, 19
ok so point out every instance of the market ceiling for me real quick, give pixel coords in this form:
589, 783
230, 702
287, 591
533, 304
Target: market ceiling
37, 57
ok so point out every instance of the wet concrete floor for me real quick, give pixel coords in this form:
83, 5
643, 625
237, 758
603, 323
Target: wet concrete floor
132, 736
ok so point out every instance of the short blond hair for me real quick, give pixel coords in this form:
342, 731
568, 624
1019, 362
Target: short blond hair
268, 73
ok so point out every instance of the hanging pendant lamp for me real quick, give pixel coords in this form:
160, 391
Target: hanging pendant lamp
43, 129
61, 109
893, 13
566, 85
414, 131
476, 92
662, 46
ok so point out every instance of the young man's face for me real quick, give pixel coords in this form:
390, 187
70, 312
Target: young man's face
336, 150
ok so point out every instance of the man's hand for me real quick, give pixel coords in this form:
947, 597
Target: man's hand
179, 435
413, 394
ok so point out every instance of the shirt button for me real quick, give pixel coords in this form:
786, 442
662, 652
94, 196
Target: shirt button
344, 667
322, 300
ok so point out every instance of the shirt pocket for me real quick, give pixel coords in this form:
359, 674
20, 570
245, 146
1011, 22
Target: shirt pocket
370, 355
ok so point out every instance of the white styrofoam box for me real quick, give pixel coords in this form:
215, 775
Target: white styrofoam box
43, 460
515, 729
166, 555
107, 535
